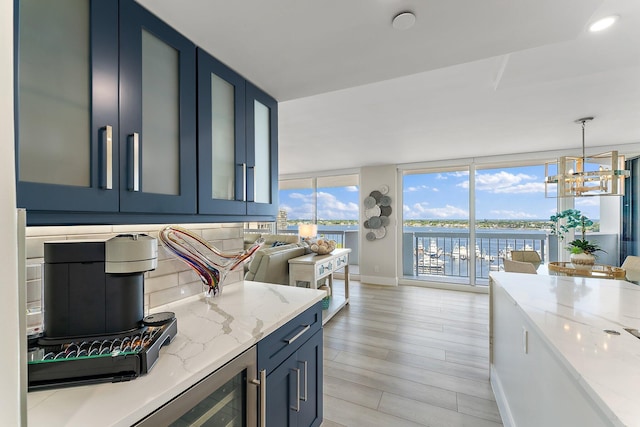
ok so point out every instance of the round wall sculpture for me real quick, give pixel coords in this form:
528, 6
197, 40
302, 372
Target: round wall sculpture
377, 209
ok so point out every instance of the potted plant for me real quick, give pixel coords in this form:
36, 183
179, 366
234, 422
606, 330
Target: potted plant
582, 251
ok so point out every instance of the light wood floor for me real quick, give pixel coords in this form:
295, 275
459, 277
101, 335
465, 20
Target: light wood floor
408, 356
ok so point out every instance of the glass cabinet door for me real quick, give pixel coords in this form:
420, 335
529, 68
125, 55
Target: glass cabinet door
262, 152
226, 398
225, 407
67, 97
221, 138
157, 115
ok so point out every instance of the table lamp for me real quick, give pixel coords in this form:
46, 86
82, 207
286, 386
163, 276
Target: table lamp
307, 231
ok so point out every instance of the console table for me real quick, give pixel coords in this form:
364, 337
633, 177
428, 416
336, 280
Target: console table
312, 267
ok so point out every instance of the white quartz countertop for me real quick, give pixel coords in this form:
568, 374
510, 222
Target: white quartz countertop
210, 333
571, 315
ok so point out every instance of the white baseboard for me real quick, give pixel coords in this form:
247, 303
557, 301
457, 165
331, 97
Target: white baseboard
377, 280
501, 399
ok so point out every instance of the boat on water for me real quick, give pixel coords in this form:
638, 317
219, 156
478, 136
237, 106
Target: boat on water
505, 253
459, 252
434, 251
431, 266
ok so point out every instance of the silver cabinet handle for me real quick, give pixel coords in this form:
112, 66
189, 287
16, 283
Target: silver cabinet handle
106, 177
298, 335
250, 176
244, 181
304, 388
297, 405
134, 162
262, 383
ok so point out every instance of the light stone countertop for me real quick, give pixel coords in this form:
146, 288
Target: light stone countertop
210, 333
571, 315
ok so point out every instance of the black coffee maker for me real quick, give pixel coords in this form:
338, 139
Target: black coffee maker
96, 288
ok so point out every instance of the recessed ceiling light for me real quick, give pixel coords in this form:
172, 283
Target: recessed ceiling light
404, 21
604, 23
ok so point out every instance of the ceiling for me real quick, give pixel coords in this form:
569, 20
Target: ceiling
471, 78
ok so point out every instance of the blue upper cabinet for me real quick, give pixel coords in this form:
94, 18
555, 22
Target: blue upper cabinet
157, 115
261, 115
120, 119
66, 105
221, 138
237, 143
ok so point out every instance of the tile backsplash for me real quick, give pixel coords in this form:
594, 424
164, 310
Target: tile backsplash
171, 281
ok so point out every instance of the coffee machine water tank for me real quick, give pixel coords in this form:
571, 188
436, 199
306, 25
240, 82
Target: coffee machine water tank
96, 288
131, 253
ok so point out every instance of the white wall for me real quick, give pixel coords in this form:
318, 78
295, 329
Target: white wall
11, 403
378, 263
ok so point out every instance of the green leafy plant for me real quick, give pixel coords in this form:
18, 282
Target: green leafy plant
573, 219
580, 246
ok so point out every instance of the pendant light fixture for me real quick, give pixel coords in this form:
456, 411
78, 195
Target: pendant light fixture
599, 175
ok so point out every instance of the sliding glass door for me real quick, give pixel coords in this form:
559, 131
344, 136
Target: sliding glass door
511, 214
435, 243
329, 201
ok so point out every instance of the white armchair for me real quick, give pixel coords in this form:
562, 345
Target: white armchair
519, 267
631, 266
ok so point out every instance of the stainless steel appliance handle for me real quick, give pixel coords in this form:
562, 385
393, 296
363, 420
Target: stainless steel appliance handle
297, 406
298, 335
304, 398
134, 162
262, 383
107, 155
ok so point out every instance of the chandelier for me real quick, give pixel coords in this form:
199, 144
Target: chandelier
598, 175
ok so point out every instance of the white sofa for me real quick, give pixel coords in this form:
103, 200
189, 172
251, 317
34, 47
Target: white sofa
271, 263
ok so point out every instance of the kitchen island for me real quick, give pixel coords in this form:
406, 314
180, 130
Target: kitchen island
561, 353
211, 332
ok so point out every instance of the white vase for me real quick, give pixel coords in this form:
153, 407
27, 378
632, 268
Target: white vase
583, 261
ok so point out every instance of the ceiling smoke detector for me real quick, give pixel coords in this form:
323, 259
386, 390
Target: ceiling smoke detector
403, 21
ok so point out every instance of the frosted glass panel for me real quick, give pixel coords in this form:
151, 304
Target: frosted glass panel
222, 139
160, 117
262, 144
54, 92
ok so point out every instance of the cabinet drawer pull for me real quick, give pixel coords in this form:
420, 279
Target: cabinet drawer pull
134, 162
262, 383
304, 388
298, 335
106, 175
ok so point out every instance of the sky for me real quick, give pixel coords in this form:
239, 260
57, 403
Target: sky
503, 193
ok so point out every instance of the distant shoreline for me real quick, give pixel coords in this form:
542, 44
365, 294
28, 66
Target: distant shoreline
452, 223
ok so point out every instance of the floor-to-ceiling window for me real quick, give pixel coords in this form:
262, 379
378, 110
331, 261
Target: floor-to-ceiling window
435, 211
329, 201
297, 203
511, 214
459, 224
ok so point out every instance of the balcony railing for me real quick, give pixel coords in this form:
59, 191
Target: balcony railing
441, 253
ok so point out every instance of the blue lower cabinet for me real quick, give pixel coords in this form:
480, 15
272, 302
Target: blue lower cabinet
292, 359
294, 389
309, 359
